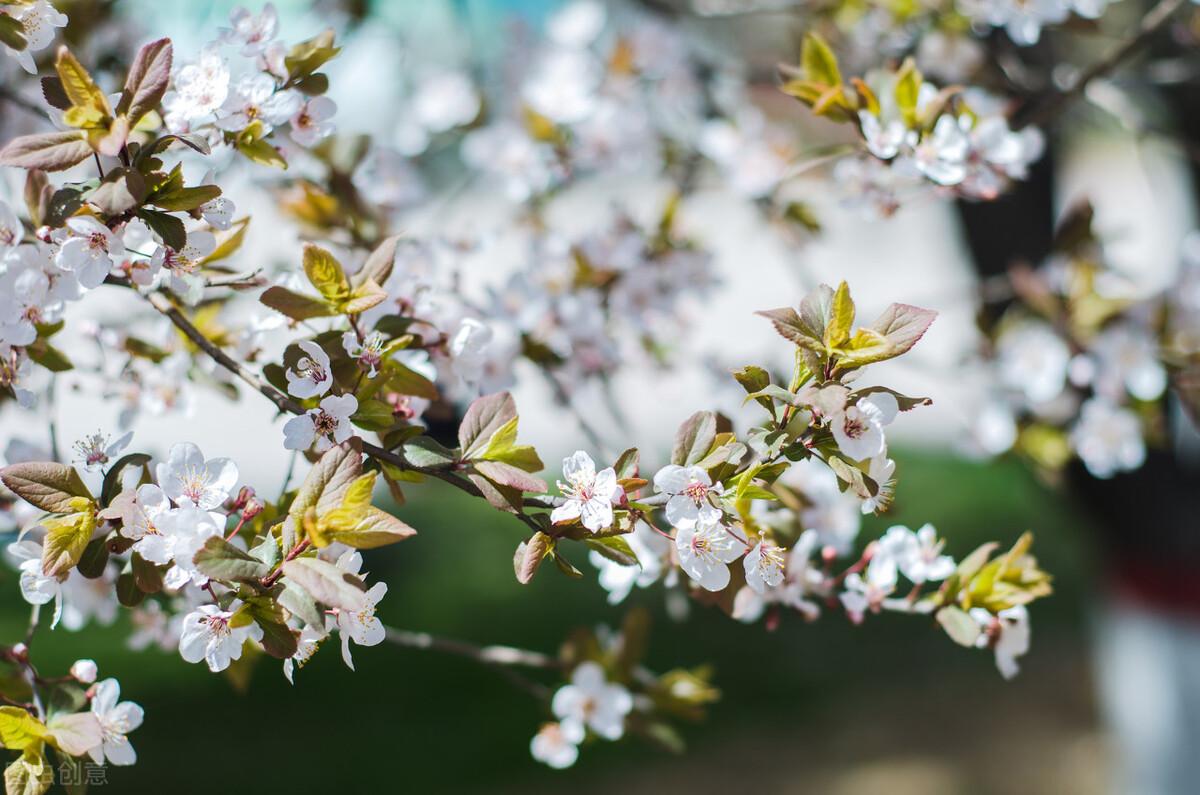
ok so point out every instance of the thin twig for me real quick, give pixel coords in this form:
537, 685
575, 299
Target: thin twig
287, 405
502, 658
1038, 113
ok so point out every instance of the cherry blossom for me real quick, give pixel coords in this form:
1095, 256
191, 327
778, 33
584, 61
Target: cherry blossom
1008, 634
325, 426
1108, 439
918, 555
117, 719
764, 566
858, 429
312, 376
311, 123
38, 21
554, 746
90, 251
692, 493
208, 634
590, 495
590, 701
186, 476
705, 549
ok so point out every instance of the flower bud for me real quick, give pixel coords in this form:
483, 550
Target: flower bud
84, 671
244, 496
253, 508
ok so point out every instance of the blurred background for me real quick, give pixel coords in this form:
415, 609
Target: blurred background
823, 708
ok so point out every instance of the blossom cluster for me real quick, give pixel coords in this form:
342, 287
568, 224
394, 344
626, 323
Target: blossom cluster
1079, 361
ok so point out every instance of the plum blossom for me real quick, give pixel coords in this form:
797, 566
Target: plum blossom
178, 535
312, 376
553, 745
368, 353
183, 266
218, 213
869, 592
1033, 359
307, 645
590, 495
95, 451
38, 23
1007, 633
764, 566
199, 90
360, 626
255, 99
858, 429
1108, 439
253, 32
590, 701
705, 549
311, 123
326, 426
186, 476
37, 588
90, 251
919, 555
117, 719
208, 635
692, 492
619, 580
800, 578
882, 470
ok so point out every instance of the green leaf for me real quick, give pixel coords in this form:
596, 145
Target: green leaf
20, 730
366, 296
310, 55
55, 151
485, 416
94, 561
908, 91
357, 523
694, 438
852, 478
12, 33
329, 479
78, 85
841, 317
961, 628
297, 601
325, 273
29, 774
529, 556
279, 640
220, 560
168, 227
504, 474
378, 266
327, 584
185, 199
295, 305
818, 61
48, 485
424, 451
896, 331
626, 465
615, 548
147, 80
121, 190
373, 415
66, 539
406, 381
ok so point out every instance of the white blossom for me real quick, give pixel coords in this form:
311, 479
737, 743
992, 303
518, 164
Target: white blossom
326, 426
90, 250
84, 671
252, 32
311, 122
858, 429
919, 555
38, 23
186, 476
1108, 439
764, 566
554, 746
651, 550
868, 592
590, 701
117, 719
207, 635
705, 550
1007, 632
692, 492
590, 495
312, 376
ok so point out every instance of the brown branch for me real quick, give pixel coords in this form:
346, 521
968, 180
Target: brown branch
1039, 112
287, 405
502, 658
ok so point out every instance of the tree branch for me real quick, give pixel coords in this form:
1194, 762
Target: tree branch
1039, 112
502, 658
287, 405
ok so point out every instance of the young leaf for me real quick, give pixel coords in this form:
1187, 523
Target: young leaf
961, 628
325, 273
818, 61
295, 305
378, 266
484, 417
841, 317
328, 584
78, 85
220, 560
529, 556
694, 437
47, 485
615, 548
505, 474
54, 151
147, 80
66, 539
